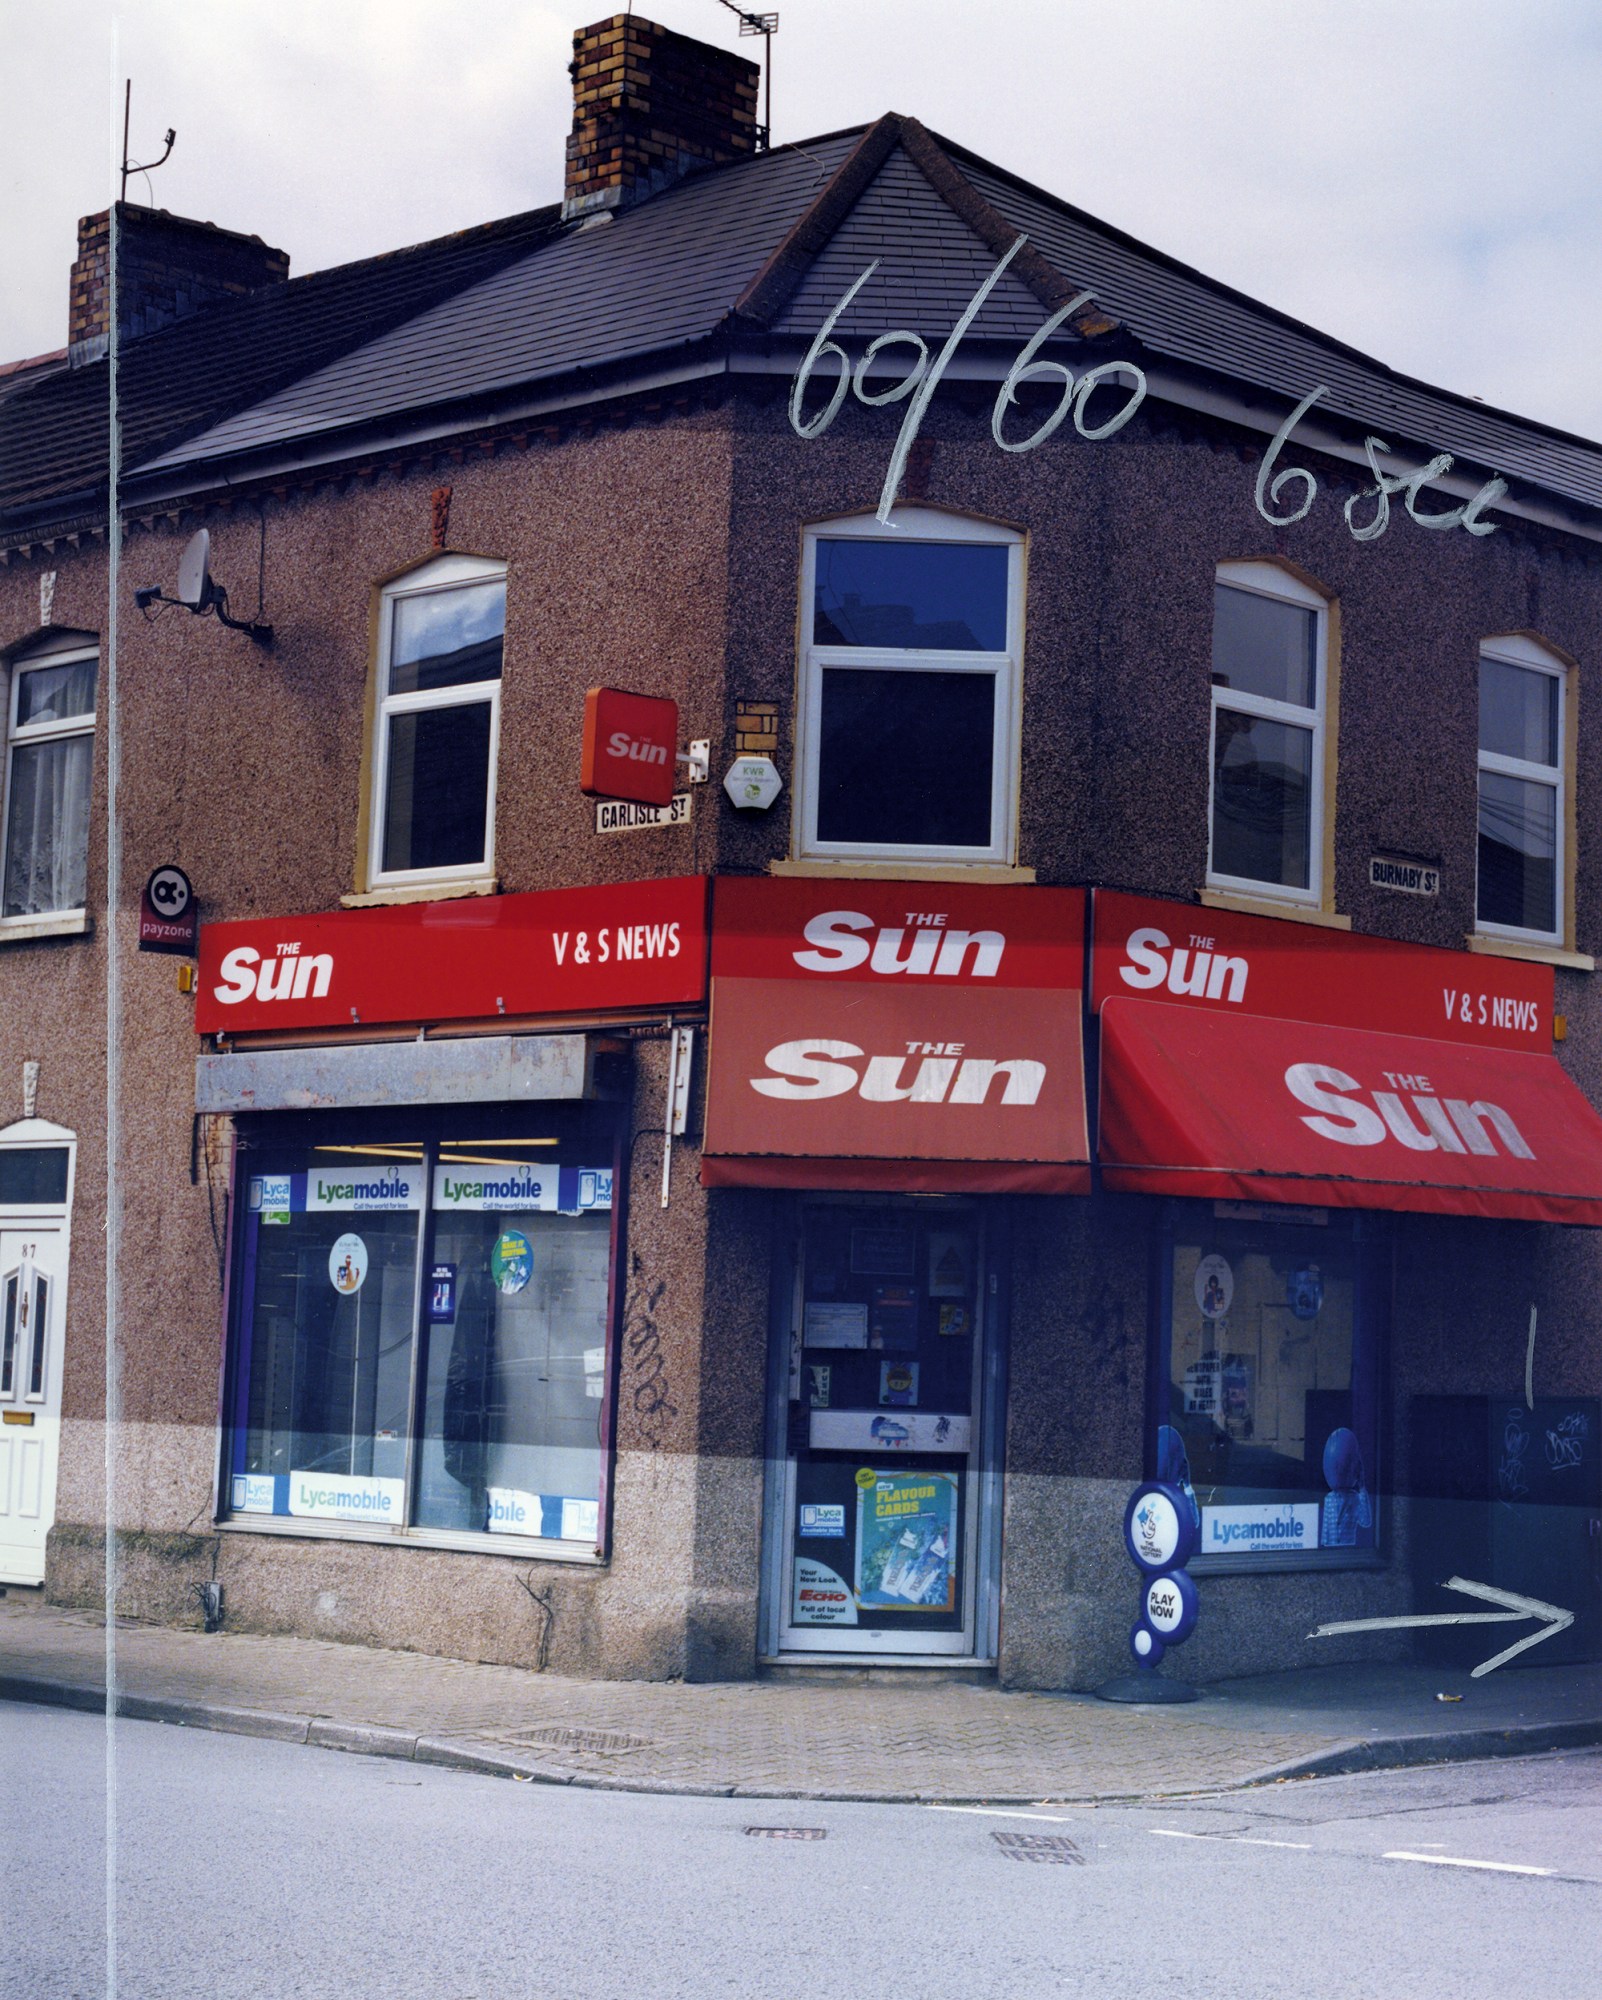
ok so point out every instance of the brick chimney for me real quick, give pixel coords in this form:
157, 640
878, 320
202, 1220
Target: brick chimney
167, 268
650, 106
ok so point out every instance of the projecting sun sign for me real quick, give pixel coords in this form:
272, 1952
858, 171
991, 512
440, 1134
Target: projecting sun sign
630, 746
1282, 496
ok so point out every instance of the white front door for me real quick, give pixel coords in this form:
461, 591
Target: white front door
33, 1298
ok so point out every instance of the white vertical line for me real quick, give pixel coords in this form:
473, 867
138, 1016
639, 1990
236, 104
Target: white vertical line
113, 1019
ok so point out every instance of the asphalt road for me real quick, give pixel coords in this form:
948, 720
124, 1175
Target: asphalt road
252, 1870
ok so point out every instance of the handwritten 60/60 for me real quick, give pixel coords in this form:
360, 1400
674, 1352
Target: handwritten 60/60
923, 378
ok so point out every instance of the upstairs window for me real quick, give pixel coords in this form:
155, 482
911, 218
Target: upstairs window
49, 767
911, 641
440, 638
1270, 669
1522, 830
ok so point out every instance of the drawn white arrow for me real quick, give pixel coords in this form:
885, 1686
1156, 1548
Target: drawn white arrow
1555, 1620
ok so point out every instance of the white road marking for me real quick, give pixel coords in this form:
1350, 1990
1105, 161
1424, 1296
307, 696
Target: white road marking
1005, 1812
1454, 1861
1306, 1847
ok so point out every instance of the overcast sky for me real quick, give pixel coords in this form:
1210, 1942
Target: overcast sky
1422, 178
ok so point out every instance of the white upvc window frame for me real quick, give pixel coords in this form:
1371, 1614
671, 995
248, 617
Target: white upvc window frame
445, 574
912, 524
1515, 650
1266, 579
30, 660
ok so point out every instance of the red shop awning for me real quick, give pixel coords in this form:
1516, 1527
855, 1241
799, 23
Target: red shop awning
896, 1036
1249, 1108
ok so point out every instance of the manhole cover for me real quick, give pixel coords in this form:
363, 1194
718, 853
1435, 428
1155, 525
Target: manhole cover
603, 1742
1039, 1847
787, 1832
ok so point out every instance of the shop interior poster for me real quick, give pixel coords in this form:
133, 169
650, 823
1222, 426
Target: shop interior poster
898, 1384
893, 1327
883, 1253
950, 1262
906, 1542
830, 1323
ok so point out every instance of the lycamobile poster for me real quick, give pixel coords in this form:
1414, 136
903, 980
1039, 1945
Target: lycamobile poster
906, 1541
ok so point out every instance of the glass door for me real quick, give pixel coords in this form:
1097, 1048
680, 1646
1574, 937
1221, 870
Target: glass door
881, 1362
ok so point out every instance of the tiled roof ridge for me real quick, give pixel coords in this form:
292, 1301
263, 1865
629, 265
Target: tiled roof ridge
477, 232
771, 290
32, 361
929, 155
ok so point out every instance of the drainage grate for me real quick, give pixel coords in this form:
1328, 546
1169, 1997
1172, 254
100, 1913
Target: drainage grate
604, 1742
1055, 1847
787, 1832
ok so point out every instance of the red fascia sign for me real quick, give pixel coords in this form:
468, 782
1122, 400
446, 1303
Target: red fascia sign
1249, 1058
556, 951
631, 744
909, 1036
1232, 963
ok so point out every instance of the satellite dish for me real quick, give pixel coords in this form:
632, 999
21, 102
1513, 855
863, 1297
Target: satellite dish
194, 571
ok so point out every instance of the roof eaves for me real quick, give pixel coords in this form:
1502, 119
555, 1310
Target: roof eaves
425, 426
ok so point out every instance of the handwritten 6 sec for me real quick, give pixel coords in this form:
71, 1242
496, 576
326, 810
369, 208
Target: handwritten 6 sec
922, 379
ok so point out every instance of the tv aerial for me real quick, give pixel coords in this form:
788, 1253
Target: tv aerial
767, 26
147, 167
200, 592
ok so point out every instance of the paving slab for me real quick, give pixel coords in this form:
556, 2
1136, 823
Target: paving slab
937, 1742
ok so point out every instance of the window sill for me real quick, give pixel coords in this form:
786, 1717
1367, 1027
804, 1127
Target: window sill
420, 892
1266, 906
1287, 1565
904, 871
53, 923
1543, 954
414, 1538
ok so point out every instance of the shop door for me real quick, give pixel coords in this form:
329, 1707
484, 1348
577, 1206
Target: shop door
32, 1312
881, 1525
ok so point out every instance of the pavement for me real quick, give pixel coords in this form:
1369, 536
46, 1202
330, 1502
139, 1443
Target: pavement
895, 1740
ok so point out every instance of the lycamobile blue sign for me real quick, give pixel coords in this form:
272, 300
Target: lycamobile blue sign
570, 1190
363, 1190
368, 1190
1264, 1529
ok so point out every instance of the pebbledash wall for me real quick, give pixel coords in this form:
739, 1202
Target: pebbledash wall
664, 554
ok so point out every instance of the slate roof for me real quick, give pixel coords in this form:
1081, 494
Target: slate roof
680, 270
737, 265
53, 430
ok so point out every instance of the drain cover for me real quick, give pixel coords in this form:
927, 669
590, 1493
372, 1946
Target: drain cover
603, 1741
1039, 1847
787, 1832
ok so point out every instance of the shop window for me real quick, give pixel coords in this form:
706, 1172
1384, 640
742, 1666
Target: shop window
421, 1338
1270, 673
441, 630
1523, 832
911, 640
1267, 1387
49, 768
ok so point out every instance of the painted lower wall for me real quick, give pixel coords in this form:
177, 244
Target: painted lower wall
679, 1596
